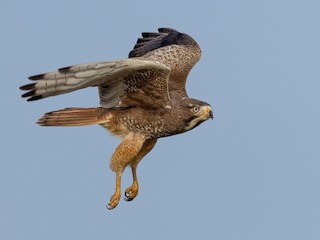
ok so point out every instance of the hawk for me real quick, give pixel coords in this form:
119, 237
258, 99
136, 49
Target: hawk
142, 98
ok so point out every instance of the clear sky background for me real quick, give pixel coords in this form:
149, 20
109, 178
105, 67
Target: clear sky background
251, 173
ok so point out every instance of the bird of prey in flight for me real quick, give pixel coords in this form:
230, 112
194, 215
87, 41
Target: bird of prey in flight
142, 98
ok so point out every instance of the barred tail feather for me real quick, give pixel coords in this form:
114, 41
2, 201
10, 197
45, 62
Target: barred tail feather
72, 117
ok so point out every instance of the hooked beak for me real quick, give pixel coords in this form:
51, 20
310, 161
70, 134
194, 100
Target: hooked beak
209, 112
211, 115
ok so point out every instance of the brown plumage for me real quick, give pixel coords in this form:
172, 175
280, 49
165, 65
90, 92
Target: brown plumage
142, 98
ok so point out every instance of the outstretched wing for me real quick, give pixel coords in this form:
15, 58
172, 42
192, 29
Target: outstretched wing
178, 51
121, 82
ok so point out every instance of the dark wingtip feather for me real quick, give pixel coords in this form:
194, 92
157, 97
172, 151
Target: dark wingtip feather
28, 86
166, 30
64, 69
36, 77
143, 40
35, 98
28, 94
31, 93
177, 38
150, 34
166, 36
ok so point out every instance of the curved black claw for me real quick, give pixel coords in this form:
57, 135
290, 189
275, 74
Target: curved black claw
127, 197
112, 204
109, 207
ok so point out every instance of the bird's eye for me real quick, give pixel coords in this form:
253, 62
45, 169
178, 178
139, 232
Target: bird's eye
196, 109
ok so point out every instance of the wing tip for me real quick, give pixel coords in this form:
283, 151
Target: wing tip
166, 30
34, 98
28, 94
31, 92
36, 77
166, 36
27, 86
64, 69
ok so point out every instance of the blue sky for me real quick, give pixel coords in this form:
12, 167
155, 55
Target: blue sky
251, 173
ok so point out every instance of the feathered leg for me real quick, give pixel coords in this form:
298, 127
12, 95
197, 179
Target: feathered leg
125, 153
132, 191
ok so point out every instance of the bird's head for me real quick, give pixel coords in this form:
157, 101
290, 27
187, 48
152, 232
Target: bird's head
196, 112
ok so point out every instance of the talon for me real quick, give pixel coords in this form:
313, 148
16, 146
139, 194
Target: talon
108, 207
111, 206
127, 197
130, 193
114, 200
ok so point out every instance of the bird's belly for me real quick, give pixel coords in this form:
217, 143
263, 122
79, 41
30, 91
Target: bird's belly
117, 130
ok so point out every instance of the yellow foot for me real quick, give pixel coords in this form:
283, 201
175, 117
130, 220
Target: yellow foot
114, 200
131, 193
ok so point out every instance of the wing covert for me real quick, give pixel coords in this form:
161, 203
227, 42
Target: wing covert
176, 50
145, 87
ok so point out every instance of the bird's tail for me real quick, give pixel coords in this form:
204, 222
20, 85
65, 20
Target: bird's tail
73, 117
